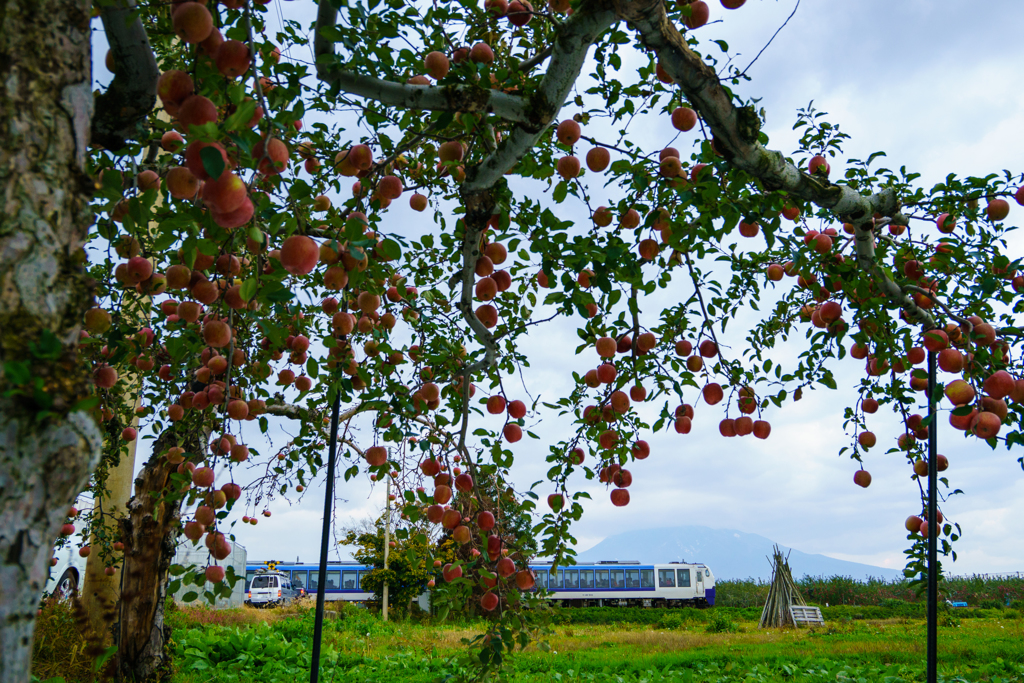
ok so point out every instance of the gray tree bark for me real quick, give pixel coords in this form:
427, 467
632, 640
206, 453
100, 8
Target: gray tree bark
47, 446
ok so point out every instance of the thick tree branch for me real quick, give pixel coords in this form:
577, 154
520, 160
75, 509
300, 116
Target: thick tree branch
121, 110
568, 54
735, 134
868, 262
295, 412
527, 65
461, 98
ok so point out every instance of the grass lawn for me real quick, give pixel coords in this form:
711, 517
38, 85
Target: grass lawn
721, 645
359, 647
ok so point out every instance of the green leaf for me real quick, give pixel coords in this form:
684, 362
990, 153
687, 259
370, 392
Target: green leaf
213, 161
561, 189
248, 289
87, 403
240, 119
255, 234
390, 249
17, 372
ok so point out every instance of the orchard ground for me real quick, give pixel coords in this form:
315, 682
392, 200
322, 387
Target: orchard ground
881, 636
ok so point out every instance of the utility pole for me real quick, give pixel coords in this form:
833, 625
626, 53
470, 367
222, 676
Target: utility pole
387, 541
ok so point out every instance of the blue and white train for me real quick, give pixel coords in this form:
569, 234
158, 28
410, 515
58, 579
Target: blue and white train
676, 584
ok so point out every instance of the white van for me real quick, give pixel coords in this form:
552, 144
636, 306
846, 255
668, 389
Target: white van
271, 588
67, 574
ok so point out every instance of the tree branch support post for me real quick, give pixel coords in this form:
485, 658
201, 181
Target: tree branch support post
387, 543
318, 624
933, 526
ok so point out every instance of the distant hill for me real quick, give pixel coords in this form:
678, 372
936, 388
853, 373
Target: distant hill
729, 553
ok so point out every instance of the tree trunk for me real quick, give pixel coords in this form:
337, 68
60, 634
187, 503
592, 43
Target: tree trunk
149, 533
150, 536
47, 446
99, 592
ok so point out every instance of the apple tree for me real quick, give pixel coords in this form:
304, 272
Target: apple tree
385, 226
410, 558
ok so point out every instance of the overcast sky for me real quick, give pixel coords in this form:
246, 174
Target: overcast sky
937, 86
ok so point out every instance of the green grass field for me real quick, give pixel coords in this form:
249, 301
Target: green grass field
722, 644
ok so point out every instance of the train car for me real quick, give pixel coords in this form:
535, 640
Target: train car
343, 580
631, 584
676, 584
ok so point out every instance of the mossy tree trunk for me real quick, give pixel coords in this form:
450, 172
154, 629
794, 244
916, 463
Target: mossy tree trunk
48, 444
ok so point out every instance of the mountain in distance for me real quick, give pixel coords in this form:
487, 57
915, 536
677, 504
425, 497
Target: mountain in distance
730, 554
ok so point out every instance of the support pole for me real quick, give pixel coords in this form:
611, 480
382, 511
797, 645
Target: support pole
933, 525
387, 541
318, 624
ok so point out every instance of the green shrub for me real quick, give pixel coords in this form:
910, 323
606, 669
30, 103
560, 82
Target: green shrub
720, 623
844, 590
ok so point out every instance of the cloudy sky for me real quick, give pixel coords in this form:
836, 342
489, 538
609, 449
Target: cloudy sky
937, 86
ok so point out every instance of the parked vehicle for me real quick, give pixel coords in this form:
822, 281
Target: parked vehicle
342, 579
66, 576
67, 573
269, 588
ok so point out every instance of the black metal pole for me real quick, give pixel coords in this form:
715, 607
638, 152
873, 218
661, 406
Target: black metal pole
318, 624
933, 524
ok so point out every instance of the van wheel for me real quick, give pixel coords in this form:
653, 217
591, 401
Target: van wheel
67, 586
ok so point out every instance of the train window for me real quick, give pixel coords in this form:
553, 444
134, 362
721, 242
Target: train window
647, 578
248, 578
299, 578
632, 578
541, 577
314, 580
348, 580
666, 578
602, 579
684, 577
359, 580
333, 579
572, 578
617, 578
587, 578
558, 579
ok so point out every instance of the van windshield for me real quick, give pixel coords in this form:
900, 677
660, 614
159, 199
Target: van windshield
264, 582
